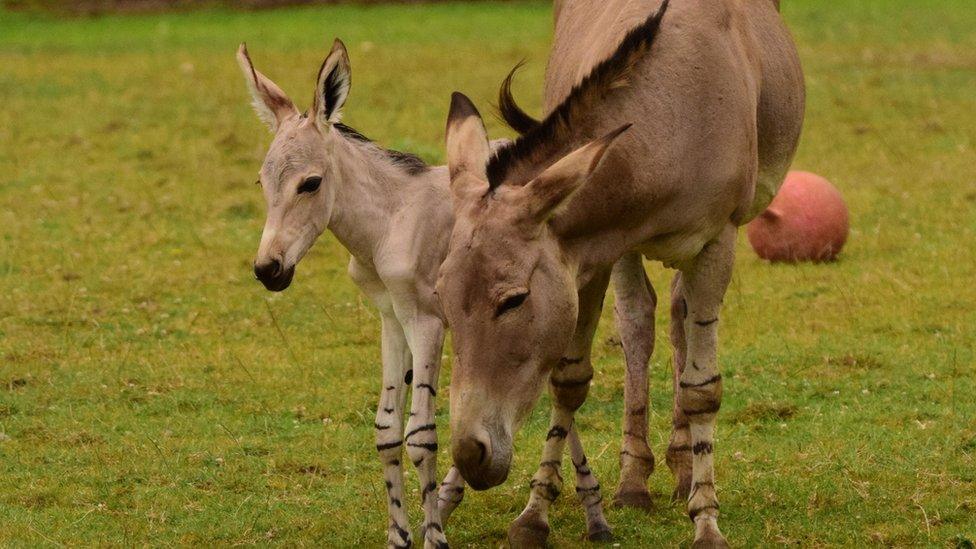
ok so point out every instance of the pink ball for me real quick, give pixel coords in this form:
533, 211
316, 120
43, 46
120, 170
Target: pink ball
807, 221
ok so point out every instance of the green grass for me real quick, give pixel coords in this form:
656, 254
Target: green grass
151, 392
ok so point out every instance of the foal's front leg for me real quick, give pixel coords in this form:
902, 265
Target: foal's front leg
389, 427
569, 383
704, 283
427, 339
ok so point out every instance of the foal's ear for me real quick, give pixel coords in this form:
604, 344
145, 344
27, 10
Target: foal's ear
271, 104
332, 86
467, 147
545, 194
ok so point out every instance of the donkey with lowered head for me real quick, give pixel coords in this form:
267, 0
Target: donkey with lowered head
393, 214
715, 92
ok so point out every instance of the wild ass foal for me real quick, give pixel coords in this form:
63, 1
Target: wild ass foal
393, 213
715, 92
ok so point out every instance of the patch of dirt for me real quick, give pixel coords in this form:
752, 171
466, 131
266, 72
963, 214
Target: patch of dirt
313, 469
756, 412
858, 362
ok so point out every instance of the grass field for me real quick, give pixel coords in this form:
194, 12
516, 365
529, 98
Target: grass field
152, 393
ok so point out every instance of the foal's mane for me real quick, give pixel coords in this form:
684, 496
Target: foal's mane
541, 141
410, 163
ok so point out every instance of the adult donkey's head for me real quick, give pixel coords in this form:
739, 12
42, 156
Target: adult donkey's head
298, 170
507, 289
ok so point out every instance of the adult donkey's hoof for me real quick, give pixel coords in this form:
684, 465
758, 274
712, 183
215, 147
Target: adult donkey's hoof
528, 532
709, 537
633, 498
682, 489
711, 542
600, 533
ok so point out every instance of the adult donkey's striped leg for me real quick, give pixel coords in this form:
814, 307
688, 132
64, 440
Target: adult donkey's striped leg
450, 494
569, 382
634, 305
389, 427
588, 491
700, 386
679, 447
427, 337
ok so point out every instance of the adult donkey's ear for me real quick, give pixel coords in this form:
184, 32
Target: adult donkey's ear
467, 147
271, 104
544, 195
332, 86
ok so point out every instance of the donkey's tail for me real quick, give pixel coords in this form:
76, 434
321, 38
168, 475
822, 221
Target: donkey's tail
510, 111
548, 140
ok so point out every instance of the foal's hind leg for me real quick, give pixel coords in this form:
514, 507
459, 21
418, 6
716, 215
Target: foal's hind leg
634, 310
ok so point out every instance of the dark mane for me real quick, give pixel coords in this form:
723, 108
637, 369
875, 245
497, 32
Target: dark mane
543, 140
410, 163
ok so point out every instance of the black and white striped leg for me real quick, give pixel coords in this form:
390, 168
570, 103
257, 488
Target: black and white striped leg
569, 383
389, 430
420, 438
588, 491
531, 528
451, 493
700, 385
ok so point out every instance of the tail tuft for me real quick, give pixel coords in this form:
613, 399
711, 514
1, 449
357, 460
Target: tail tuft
511, 113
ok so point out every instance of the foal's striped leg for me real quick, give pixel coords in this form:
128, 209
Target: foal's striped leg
634, 305
389, 428
569, 382
700, 384
427, 335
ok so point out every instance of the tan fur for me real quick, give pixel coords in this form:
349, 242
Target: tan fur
395, 222
717, 106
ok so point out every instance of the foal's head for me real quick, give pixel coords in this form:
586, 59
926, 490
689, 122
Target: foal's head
508, 291
299, 169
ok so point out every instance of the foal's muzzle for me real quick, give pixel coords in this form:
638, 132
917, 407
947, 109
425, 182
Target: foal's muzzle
273, 276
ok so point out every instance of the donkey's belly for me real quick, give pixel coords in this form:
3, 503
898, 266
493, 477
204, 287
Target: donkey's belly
674, 249
782, 98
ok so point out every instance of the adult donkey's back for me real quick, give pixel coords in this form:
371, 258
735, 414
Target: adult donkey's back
715, 94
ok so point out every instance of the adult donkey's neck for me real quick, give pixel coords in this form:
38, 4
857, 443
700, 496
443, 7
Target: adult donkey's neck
372, 185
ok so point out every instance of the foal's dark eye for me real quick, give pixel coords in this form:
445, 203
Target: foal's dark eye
310, 185
510, 303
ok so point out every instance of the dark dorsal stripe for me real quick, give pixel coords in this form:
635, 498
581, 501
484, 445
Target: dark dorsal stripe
410, 163
539, 147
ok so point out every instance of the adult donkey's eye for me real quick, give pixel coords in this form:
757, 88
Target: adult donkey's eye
310, 185
510, 303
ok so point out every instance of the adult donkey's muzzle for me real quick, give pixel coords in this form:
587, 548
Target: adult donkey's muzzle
482, 463
273, 276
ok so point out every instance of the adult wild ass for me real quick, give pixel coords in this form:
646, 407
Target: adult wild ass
715, 93
393, 214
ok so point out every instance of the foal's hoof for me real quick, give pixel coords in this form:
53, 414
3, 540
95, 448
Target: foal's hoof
600, 533
636, 499
710, 539
528, 533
